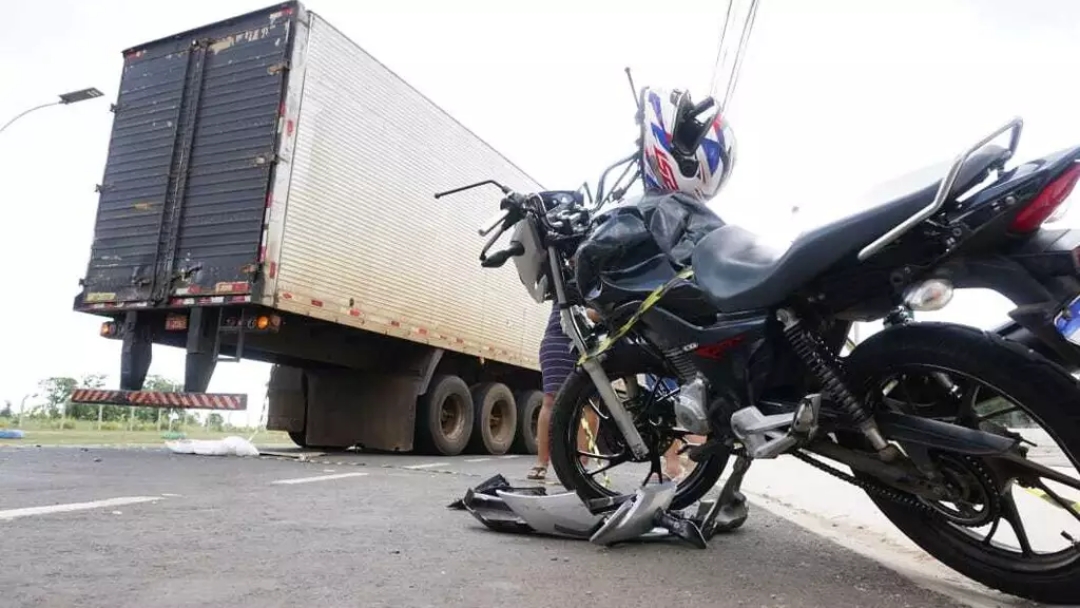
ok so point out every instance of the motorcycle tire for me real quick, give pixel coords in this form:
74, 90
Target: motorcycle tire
1047, 393
575, 392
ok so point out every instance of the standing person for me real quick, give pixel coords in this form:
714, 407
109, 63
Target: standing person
557, 360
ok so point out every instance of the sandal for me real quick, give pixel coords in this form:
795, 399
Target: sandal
537, 473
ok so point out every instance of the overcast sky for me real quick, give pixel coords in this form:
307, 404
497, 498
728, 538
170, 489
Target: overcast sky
834, 96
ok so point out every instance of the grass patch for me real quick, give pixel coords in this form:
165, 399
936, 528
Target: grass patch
86, 433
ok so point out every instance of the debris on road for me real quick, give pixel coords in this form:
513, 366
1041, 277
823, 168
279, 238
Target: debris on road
229, 446
643, 515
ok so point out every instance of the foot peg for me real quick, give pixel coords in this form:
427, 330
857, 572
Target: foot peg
762, 435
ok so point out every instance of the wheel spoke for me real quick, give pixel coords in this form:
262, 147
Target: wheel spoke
1061, 502
997, 413
907, 396
967, 406
1024, 466
599, 456
1012, 515
615, 461
993, 530
596, 409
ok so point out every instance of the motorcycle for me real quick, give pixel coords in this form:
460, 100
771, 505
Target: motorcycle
754, 336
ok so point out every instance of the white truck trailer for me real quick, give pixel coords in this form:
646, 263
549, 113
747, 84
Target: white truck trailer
268, 195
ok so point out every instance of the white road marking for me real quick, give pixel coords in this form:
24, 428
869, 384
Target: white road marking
508, 457
316, 478
10, 514
427, 465
477, 459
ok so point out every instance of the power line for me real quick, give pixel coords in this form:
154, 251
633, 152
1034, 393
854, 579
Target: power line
740, 54
722, 66
720, 48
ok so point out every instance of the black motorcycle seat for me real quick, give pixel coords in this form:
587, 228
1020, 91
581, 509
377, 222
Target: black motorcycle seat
738, 270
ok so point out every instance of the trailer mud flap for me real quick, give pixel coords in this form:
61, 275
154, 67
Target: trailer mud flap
136, 350
198, 401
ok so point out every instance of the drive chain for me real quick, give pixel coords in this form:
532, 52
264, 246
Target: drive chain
892, 494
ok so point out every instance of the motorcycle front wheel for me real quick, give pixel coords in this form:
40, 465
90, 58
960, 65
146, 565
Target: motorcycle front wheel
590, 456
966, 376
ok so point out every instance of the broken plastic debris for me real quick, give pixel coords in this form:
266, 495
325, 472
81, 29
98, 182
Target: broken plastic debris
229, 446
643, 515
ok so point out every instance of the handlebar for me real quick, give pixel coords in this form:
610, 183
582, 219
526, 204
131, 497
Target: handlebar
513, 208
494, 222
500, 257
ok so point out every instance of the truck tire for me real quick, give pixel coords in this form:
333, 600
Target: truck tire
528, 411
494, 419
299, 438
444, 417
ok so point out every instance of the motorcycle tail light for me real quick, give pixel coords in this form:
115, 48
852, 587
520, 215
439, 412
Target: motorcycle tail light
1047, 204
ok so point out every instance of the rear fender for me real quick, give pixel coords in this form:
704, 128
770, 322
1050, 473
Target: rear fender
1040, 276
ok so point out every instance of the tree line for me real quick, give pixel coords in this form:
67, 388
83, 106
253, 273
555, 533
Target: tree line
53, 402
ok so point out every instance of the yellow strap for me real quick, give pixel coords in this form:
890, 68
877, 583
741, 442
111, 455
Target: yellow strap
1043, 495
592, 446
648, 303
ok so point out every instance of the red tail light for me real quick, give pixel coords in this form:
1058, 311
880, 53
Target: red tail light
1043, 206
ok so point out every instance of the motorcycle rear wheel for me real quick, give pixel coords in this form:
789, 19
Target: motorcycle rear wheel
1040, 389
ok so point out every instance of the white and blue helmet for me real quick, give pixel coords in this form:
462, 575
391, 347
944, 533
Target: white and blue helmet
685, 148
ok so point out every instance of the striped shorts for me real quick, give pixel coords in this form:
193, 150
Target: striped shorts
557, 354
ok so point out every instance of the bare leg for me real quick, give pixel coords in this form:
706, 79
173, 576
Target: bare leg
672, 465
543, 424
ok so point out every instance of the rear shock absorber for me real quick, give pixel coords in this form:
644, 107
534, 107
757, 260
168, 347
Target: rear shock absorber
824, 366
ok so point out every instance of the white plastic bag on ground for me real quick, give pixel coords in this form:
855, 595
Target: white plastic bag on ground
229, 446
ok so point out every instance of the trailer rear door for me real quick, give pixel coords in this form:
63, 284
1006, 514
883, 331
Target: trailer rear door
183, 199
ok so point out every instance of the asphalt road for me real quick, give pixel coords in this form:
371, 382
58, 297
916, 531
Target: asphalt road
203, 531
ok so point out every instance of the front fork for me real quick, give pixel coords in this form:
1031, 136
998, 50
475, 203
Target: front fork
572, 321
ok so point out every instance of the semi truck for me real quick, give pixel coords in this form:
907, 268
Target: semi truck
268, 195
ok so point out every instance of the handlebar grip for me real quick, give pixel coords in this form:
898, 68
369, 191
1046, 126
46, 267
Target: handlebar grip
493, 223
499, 258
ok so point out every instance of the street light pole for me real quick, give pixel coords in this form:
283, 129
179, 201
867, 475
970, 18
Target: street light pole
22, 408
65, 99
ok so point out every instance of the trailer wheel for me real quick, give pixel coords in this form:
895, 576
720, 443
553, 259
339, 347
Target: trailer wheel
528, 412
494, 419
299, 438
444, 417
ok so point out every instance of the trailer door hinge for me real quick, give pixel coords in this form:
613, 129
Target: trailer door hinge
278, 67
263, 159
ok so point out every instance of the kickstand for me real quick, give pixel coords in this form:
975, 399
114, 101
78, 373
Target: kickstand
729, 511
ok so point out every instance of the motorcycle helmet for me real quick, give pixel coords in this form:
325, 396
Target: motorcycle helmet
685, 148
